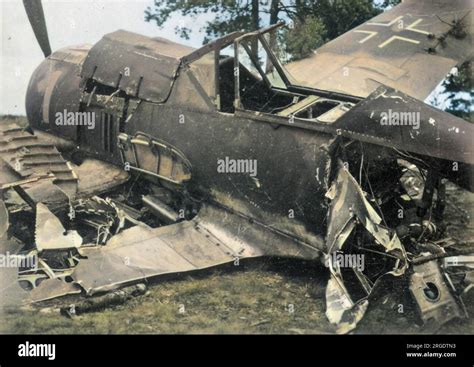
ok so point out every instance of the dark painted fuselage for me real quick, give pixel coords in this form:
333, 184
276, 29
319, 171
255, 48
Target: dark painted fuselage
292, 163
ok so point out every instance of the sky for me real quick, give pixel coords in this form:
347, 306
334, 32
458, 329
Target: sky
70, 22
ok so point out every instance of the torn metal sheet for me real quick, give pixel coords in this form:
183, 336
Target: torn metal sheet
437, 135
339, 308
50, 233
29, 156
142, 252
33, 163
349, 204
350, 209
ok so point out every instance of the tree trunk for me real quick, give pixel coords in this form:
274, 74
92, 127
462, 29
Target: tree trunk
274, 11
255, 26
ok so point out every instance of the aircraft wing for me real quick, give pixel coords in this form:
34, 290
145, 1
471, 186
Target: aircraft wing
142, 253
411, 48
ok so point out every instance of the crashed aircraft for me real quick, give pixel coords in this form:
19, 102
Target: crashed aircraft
144, 192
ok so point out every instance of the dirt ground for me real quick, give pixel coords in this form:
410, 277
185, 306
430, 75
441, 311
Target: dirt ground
259, 296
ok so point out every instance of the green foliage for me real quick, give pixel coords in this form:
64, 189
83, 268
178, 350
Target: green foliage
334, 17
340, 16
304, 37
389, 3
460, 93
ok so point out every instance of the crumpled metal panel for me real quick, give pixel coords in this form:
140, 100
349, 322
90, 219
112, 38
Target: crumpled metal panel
338, 304
143, 67
30, 156
33, 162
349, 208
212, 238
50, 289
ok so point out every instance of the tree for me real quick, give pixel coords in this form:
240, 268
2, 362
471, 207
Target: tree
317, 22
334, 16
458, 88
304, 37
389, 3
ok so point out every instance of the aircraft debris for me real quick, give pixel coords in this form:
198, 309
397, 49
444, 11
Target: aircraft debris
433, 297
97, 303
160, 209
350, 211
351, 171
50, 233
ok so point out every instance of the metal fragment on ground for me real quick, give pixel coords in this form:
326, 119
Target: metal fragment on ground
50, 289
436, 305
50, 234
97, 303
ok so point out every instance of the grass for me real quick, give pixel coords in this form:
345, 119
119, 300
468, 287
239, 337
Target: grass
257, 298
253, 299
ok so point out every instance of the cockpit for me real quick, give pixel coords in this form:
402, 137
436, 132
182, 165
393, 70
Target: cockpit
248, 74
